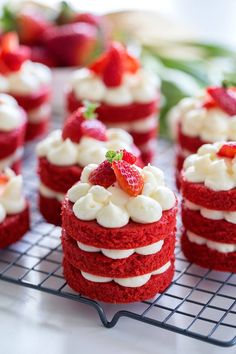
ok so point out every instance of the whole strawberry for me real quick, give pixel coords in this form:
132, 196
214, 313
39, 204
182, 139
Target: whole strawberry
83, 122
103, 175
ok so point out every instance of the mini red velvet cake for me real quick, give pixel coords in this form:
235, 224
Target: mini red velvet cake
63, 154
208, 186
29, 83
12, 133
128, 96
14, 210
118, 231
207, 118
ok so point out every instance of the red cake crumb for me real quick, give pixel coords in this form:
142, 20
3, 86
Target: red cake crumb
14, 227
58, 178
10, 141
34, 100
199, 194
35, 130
208, 258
50, 208
215, 230
130, 236
192, 144
117, 114
114, 293
98, 264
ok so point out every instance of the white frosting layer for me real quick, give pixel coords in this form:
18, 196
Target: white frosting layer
11, 115
120, 254
65, 153
229, 216
8, 161
210, 125
30, 78
12, 200
49, 193
138, 126
131, 282
217, 173
217, 246
140, 87
39, 114
113, 207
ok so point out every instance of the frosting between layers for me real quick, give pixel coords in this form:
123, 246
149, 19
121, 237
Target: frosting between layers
229, 216
217, 173
138, 126
39, 114
210, 125
11, 115
131, 282
112, 207
8, 161
49, 193
65, 153
12, 200
30, 78
140, 87
216, 246
120, 254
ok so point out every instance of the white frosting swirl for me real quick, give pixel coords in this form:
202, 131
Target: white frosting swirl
113, 207
140, 87
120, 254
229, 216
210, 125
131, 282
12, 200
216, 246
88, 151
217, 173
11, 115
30, 78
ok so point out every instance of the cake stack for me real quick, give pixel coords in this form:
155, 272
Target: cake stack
208, 186
28, 82
206, 118
128, 96
118, 231
64, 153
12, 133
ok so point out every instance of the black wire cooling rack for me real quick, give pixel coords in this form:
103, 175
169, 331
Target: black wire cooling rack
199, 303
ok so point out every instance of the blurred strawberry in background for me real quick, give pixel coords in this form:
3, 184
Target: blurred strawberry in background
61, 37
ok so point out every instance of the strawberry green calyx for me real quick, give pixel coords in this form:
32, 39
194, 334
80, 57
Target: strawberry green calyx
228, 84
89, 110
114, 156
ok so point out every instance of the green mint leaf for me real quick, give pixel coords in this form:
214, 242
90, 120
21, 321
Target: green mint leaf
114, 156
89, 109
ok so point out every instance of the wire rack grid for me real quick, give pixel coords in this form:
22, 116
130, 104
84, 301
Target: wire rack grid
199, 303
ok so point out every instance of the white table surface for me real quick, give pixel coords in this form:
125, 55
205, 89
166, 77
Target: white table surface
32, 322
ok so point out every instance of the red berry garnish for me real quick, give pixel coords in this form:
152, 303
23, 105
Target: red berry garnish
209, 103
128, 157
98, 66
128, 177
225, 98
227, 150
131, 63
114, 67
72, 127
94, 129
3, 179
103, 175
14, 60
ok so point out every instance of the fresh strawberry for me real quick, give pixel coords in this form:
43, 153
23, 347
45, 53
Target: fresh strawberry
9, 42
72, 127
103, 175
224, 98
128, 157
98, 65
131, 63
41, 55
228, 150
72, 44
128, 177
16, 58
209, 103
94, 129
114, 68
87, 18
3, 179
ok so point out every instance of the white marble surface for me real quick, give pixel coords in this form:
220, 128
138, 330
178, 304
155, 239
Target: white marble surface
34, 323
